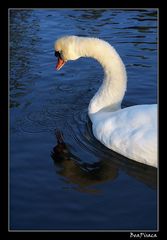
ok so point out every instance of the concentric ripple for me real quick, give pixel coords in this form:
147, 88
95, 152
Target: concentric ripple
76, 127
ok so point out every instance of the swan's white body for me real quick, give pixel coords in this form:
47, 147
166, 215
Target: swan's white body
131, 131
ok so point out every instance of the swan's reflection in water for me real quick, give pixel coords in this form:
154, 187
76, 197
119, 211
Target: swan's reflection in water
87, 176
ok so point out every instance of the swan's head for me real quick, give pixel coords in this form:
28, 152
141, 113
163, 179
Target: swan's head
66, 49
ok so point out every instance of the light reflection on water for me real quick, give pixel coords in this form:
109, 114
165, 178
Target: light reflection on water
43, 100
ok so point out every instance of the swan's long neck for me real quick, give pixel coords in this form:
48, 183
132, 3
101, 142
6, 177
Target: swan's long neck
111, 92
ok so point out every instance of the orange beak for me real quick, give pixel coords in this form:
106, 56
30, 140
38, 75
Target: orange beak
60, 63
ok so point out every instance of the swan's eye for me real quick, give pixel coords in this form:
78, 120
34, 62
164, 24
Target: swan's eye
57, 54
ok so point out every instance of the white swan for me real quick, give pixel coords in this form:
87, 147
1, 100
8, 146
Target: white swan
131, 131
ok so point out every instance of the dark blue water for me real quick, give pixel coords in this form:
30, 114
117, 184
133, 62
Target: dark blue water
82, 185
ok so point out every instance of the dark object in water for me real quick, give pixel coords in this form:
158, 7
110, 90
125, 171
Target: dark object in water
60, 151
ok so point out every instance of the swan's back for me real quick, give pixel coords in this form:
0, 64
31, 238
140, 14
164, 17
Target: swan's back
131, 132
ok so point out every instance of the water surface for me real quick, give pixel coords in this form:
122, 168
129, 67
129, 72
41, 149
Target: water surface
84, 185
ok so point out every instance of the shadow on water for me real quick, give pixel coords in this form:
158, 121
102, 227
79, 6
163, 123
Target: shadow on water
83, 175
86, 175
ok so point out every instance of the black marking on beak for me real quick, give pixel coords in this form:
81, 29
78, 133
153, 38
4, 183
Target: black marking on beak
57, 54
